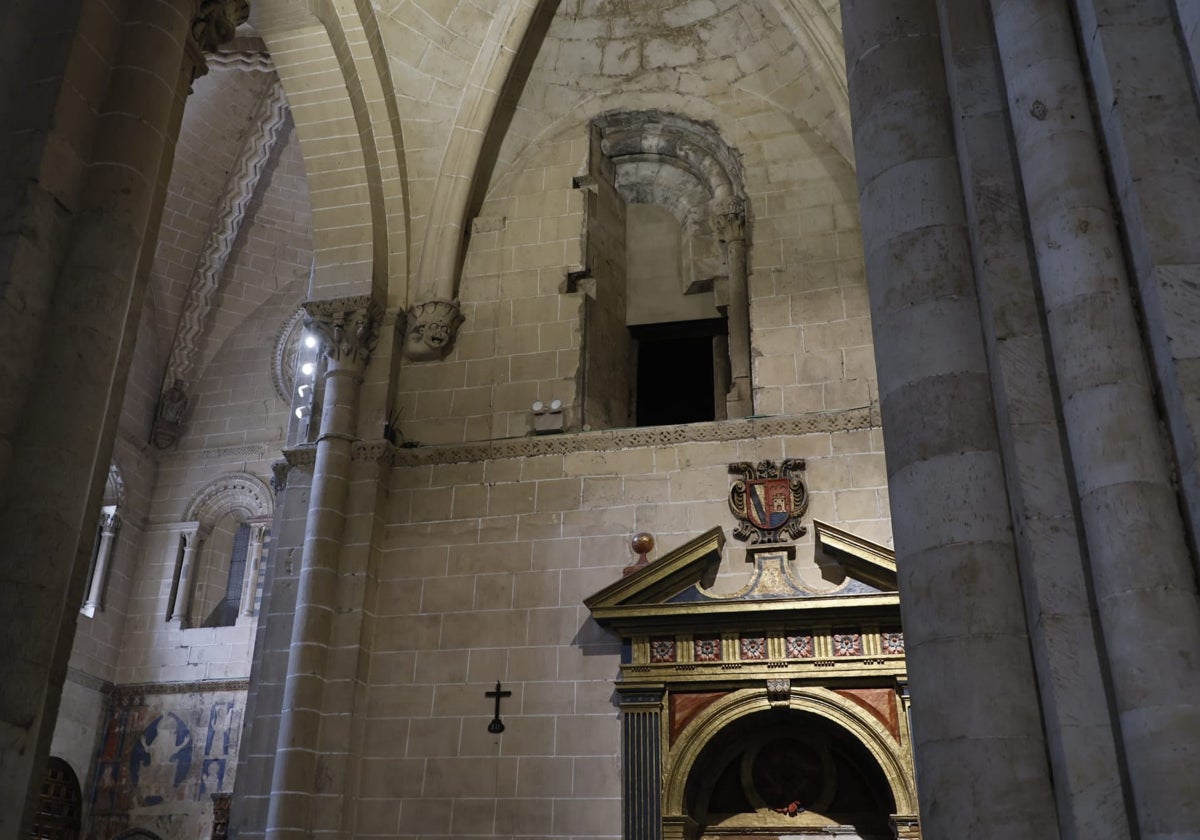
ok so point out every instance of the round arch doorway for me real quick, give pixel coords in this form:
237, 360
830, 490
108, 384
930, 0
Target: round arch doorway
784, 771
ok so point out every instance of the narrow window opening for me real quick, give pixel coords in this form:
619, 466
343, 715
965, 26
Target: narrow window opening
226, 611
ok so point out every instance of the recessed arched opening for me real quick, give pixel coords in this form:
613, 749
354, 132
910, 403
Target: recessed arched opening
666, 333
784, 770
60, 803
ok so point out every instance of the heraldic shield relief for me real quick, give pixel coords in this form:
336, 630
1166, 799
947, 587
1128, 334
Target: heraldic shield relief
768, 500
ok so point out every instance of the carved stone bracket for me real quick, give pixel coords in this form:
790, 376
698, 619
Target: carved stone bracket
729, 219
168, 418
214, 24
779, 691
432, 327
347, 328
216, 21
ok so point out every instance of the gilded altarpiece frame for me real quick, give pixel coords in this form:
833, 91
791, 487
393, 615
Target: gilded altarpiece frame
699, 668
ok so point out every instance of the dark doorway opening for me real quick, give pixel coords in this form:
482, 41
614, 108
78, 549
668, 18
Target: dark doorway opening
675, 371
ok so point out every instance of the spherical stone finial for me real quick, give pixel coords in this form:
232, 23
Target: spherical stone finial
642, 544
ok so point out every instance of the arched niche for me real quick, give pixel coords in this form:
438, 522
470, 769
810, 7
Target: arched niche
718, 773
60, 802
665, 253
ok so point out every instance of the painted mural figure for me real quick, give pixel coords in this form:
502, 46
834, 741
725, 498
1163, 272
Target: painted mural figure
161, 758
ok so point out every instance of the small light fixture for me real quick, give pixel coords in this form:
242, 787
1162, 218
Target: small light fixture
307, 368
310, 341
547, 421
302, 412
304, 389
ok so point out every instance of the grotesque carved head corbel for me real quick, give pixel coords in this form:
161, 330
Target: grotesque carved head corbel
431, 329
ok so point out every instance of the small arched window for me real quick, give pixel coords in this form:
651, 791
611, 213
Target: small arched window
219, 556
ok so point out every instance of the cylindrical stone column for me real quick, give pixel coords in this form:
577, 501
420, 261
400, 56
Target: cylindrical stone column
110, 523
258, 531
187, 574
1142, 575
346, 328
980, 755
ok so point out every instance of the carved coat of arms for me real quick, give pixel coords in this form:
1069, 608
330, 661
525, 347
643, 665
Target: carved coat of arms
768, 500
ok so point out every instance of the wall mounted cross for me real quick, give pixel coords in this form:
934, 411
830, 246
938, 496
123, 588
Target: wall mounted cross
497, 726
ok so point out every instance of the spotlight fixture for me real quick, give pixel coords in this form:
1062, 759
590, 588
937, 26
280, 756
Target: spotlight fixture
307, 368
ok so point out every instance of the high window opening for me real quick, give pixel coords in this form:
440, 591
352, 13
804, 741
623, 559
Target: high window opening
676, 364
666, 332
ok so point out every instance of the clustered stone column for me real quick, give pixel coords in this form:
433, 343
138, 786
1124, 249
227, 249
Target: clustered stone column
1127, 504
347, 331
981, 757
730, 219
110, 523
258, 532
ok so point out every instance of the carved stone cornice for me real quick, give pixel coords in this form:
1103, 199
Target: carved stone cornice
303, 457
854, 419
135, 694
432, 327
347, 329
383, 452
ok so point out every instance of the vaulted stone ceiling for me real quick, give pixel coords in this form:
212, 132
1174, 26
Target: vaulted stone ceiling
397, 102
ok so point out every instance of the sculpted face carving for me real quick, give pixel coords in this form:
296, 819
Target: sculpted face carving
432, 327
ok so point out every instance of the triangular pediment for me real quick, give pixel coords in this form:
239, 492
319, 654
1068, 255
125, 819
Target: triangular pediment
675, 589
694, 562
862, 559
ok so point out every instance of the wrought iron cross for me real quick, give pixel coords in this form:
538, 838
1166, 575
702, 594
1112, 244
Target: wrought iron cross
497, 726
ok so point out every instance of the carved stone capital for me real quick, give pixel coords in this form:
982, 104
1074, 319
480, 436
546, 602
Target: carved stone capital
431, 329
347, 329
729, 219
110, 521
258, 532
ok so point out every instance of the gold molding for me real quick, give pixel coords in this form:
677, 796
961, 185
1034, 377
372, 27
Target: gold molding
892, 758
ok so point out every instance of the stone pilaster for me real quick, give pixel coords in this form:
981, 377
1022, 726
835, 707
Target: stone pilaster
641, 764
347, 331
